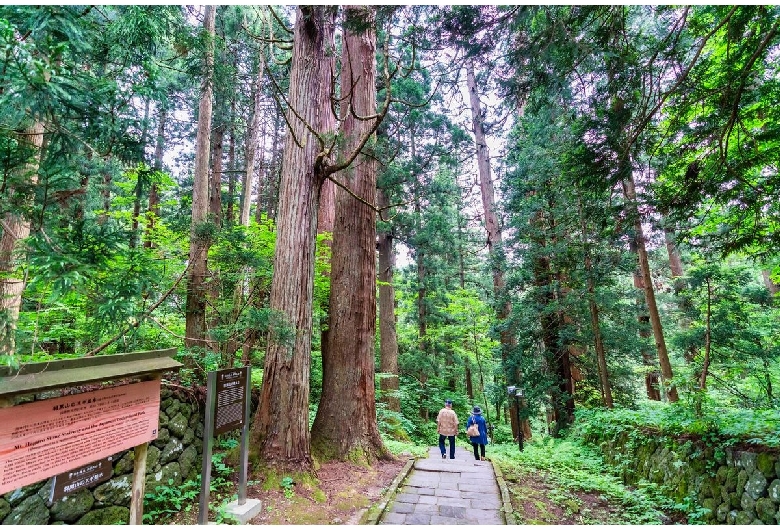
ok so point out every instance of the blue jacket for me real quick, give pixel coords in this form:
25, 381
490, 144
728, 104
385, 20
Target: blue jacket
480, 421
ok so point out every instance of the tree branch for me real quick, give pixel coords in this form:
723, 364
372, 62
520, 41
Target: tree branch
646, 120
140, 319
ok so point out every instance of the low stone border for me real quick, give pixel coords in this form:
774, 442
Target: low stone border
506, 509
376, 510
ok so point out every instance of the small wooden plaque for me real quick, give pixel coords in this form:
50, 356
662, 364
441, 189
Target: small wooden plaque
83, 477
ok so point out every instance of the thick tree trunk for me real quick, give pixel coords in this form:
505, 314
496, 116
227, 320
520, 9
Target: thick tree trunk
345, 426
195, 325
16, 228
215, 216
494, 238
388, 339
280, 430
649, 291
556, 355
652, 375
326, 220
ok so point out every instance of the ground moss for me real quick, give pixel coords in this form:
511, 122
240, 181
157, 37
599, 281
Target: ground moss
352, 500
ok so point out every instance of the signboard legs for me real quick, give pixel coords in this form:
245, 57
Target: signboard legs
242, 477
208, 440
139, 481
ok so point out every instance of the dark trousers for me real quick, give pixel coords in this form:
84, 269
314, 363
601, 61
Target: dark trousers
452, 445
481, 450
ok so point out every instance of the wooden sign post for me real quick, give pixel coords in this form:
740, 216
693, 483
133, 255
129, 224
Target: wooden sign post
72, 436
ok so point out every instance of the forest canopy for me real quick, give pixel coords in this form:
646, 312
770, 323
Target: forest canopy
386, 206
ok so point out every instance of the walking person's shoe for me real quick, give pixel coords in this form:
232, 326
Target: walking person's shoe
483, 458
443, 455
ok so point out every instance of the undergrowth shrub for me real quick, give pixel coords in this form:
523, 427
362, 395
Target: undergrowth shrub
571, 466
716, 426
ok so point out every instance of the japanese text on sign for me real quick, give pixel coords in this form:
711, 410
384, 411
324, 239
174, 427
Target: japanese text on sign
231, 399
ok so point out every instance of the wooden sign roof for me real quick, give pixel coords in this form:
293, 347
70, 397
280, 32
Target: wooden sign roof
50, 375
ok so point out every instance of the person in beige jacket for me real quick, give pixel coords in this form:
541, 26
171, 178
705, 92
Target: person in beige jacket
447, 423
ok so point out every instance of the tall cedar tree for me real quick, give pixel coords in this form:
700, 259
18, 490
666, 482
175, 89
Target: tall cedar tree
15, 228
345, 424
494, 241
281, 426
199, 239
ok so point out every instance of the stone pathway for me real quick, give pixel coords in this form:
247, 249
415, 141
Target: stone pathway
438, 491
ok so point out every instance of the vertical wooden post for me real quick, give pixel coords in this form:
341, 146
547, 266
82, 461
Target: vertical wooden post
139, 482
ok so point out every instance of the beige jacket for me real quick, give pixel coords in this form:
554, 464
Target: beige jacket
447, 421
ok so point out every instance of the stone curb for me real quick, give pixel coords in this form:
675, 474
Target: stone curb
506, 509
376, 510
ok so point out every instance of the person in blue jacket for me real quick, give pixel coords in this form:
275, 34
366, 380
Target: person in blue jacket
478, 442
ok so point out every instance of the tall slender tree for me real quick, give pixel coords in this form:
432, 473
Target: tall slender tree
494, 240
15, 229
199, 237
388, 338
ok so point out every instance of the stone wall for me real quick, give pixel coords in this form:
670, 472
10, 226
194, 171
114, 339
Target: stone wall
731, 486
174, 455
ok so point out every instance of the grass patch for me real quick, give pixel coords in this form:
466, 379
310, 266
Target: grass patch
570, 470
410, 448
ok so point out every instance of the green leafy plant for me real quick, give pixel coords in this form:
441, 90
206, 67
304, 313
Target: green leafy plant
168, 500
570, 467
287, 484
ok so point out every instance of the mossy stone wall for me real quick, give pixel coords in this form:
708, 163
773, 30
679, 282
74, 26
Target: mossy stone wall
731, 486
174, 455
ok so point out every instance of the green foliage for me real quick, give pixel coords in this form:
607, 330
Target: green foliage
287, 484
571, 466
398, 448
724, 304
168, 500
716, 425
720, 136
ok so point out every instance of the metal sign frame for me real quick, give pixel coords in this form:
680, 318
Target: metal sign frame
209, 433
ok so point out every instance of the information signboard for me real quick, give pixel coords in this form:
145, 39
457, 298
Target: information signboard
227, 409
45, 438
83, 477
230, 411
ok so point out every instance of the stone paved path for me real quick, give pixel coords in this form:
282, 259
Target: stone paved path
437, 491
